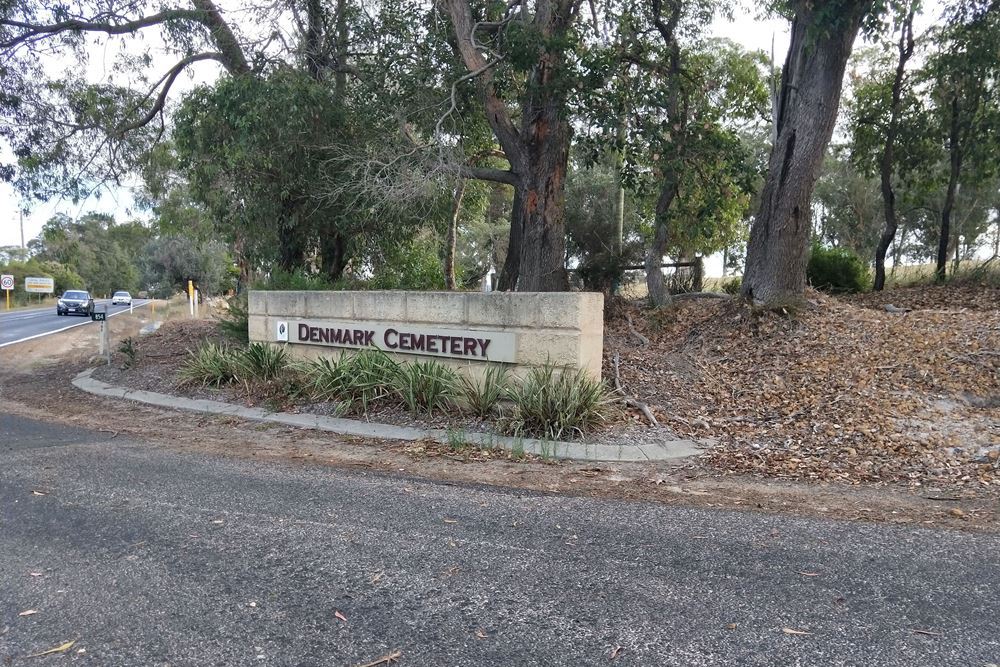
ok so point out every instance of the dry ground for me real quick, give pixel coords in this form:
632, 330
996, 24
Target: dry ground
784, 385
843, 391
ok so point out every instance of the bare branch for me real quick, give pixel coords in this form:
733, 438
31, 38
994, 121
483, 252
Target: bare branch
168, 80
77, 25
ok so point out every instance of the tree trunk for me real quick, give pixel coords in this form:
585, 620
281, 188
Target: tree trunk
887, 165
449, 257
955, 154
539, 152
334, 249
656, 290
811, 81
291, 250
543, 245
512, 262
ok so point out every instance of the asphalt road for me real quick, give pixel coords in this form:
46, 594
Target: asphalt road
147, 557
20, 325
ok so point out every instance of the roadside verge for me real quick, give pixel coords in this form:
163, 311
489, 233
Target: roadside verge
662, 451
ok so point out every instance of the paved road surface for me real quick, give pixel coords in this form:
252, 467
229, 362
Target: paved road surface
148, 557
19, 325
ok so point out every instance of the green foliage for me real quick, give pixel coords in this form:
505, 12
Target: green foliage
210, 365
63, 276
327, 378
296, 280
130, 351
413, 266
732, 285
482, 396
837, 270
425, 386
372, 377
552, 403
236, 322
171, 261
261, 362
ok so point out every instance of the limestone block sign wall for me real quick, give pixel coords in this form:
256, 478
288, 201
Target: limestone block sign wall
467, 330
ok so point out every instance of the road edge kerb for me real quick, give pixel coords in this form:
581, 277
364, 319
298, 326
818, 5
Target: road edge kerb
669, 450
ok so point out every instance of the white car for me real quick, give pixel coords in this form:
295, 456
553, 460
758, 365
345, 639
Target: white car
121, 298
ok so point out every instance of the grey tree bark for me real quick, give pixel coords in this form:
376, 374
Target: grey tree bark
811, 81
887, 163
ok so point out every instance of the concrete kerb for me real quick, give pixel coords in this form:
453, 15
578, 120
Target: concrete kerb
664, 451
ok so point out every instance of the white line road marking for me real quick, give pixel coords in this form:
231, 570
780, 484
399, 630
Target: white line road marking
72, 326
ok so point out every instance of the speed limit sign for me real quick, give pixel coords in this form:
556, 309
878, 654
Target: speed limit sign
7, 282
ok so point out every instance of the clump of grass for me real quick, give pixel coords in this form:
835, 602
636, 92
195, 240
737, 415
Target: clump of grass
371, 378
210, 365
261, 362
482, 396
551, 403
327, 377
425, 386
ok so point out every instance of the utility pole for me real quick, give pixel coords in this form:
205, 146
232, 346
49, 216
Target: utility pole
22, 230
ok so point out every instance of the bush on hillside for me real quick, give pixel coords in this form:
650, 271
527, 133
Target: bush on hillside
837, 271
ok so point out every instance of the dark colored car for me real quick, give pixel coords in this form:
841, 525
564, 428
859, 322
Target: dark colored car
75, 301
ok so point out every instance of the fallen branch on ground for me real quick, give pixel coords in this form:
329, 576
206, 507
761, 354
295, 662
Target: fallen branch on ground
643, 341
631, 402
386, 659
701, 295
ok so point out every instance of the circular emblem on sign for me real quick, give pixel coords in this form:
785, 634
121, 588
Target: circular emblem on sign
281, 328
7, 282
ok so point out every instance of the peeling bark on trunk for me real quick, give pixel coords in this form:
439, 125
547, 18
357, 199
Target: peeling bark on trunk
449, 257
811, 82
538, 153
887, 164
543, 244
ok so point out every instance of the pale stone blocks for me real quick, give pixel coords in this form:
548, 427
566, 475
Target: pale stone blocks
565, 329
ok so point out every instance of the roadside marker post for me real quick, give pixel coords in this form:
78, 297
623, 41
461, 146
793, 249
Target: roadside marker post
191, 298
104, 346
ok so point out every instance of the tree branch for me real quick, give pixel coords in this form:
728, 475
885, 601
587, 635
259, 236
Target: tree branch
168, 80
78, 25
496, 111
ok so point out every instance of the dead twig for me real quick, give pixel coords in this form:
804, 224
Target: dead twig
386, 659
643, 341
114, 434
632, 402
700, 295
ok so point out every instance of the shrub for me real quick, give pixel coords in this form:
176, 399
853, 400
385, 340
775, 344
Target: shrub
236, 322
293, 280
482, 396
837, 271
550, 403
732, 285
328, 379
209, 365
260, 361
371, 378
426, 385
130, 351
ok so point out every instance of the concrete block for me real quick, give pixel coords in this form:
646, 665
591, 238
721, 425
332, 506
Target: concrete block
258, 328
503, 309
436, 308
565, 310
286, 304
540, 347
329, 305
257, 302
380, 306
